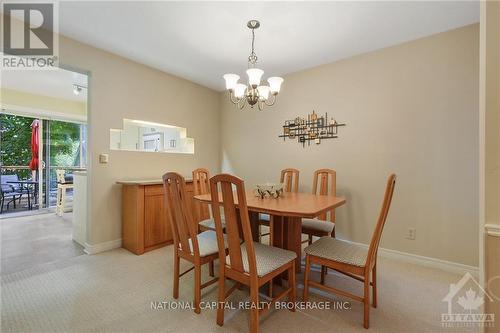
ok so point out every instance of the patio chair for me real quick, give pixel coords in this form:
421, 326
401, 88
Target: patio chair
12, 187
8, 194
62, 186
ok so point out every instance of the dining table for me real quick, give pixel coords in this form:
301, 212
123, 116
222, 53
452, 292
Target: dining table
287, 212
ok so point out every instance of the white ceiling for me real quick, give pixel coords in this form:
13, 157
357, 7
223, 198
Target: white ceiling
201, 41
53, 83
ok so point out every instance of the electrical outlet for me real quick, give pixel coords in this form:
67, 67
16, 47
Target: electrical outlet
411, 233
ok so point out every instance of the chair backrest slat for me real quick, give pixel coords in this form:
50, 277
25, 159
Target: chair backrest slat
384, 211
325, 177
178, 212
236, 221
290, 178
201, 182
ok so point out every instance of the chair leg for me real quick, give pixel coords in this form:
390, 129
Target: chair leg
271, 231
270, 288
211, 269
374, 286
323, 273
222, 297
58, 199
366, 301
177, 261
310, 239
305, 297
292, 284
254, 311
259, 226
63, 201
197, 287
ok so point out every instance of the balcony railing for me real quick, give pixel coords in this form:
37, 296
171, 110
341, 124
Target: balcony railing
48, 185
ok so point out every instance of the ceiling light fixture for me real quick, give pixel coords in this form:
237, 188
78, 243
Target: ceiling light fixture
253, 92
77, 89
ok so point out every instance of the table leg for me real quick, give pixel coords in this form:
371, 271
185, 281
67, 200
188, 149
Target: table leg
278, 231
293, 238
254, 223
29, 200
278, 240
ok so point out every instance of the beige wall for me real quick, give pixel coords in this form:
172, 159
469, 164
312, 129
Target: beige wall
120, 88
491, 37
411, 109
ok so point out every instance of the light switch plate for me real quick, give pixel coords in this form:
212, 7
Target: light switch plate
103, 158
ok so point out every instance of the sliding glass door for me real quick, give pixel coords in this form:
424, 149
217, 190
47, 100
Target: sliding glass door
31, 150
65, 149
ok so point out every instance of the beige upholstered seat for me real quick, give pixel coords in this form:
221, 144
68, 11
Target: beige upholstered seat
318, 225
265, 217
207, 243
338, 250
210, 224
355, 261
268, 258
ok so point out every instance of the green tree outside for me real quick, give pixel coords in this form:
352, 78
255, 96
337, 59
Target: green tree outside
15, 143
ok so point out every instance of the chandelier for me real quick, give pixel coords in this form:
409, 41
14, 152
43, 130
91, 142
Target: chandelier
253, 93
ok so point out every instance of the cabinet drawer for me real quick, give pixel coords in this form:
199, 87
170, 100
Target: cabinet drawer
153, 190
158, 189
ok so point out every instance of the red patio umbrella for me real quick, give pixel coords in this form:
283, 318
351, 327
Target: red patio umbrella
34, 146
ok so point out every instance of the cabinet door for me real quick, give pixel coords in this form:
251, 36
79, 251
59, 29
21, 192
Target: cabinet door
156, 227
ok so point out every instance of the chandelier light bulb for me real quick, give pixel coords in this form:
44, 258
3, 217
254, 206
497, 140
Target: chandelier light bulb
239, 90
231, 80
263, 92
254, 76
275, 84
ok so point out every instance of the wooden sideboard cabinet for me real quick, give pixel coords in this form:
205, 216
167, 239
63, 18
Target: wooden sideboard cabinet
145, 226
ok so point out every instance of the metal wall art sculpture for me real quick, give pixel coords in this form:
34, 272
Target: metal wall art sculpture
312, 128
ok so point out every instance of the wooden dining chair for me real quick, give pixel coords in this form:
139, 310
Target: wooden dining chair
249, 263
198, 249
290, 180
350, 259
201, 182
324, 225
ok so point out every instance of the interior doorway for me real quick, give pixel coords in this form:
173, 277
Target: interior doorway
43, 147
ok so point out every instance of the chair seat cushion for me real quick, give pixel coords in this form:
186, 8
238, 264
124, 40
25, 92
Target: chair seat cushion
318, 225
265, 217
207, 243
338, 250
268, 258
210, 223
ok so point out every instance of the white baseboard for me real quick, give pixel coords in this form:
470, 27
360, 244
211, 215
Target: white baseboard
445, 265
492, 229
101, 247
416, 259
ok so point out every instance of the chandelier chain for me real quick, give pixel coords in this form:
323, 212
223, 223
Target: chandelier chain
252, 58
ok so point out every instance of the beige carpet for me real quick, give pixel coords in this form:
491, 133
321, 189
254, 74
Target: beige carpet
113, 291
